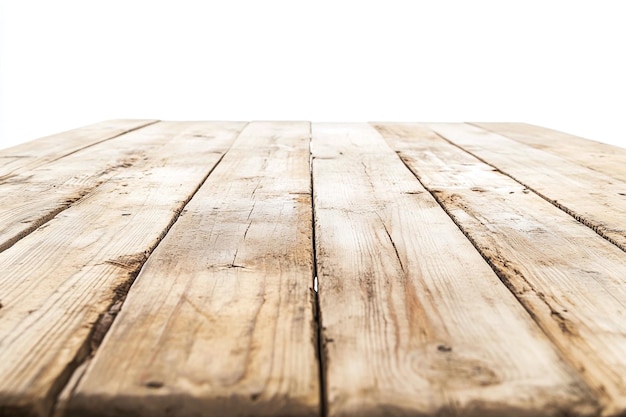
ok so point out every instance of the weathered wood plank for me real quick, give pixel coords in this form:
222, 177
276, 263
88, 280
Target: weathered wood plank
415, 322
49, 189
57, 281
234, 332
607, 159
30, 155
569, 279
595, 199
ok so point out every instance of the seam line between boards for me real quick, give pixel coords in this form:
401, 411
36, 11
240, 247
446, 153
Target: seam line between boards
320, 346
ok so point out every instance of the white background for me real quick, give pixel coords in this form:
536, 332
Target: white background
561, 64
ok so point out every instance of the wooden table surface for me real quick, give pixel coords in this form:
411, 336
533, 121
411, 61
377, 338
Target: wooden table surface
225, 269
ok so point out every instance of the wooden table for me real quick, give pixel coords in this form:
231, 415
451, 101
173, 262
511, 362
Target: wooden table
172, 269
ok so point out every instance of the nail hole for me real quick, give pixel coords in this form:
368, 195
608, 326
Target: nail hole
154, 384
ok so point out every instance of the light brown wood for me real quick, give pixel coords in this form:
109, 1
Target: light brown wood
220, 321
46, 191
27, 156
56, 282
591, 197
569, 279
607, 159
474, 296
415, 322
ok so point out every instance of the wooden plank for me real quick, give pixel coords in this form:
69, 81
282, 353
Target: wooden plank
568, 278
49, 189
234, 334
59, 280
415, 322
601, 157
27, 156
595, 199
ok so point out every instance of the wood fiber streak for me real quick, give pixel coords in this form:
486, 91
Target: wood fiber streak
593, 198
220, 320
568, 278
415, 322
57, 282
600, 157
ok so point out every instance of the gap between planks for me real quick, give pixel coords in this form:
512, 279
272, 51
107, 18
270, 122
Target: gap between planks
321, 345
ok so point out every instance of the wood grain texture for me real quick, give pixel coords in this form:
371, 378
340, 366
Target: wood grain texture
27, 156
600, 157
568, 278
415, 322
46, 191
595, 199
59, 280
220, 320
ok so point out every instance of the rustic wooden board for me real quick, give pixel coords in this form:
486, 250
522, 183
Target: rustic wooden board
49, 189
57, 281
476, 295
607, 159
233, 334
25, 157
593, 198
568, 278
414, 320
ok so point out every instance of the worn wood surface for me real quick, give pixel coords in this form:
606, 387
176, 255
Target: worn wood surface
415, 321
47, 190
569, 278
592, 197
601, 157
462, 270
25, 157
234, 333
58, 280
